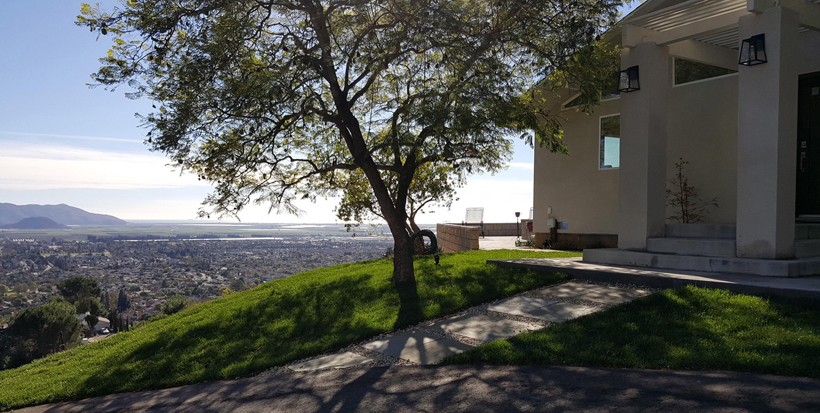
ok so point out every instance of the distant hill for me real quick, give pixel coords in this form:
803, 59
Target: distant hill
34, 223
61, 214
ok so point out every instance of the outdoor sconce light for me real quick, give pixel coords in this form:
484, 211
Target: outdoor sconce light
630, 80
753, 51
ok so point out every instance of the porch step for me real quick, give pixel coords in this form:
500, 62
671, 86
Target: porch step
807, 248
723, 231
807, 231
708, 247
769, 268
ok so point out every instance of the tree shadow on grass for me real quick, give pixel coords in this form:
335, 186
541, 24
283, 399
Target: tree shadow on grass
238, 337
687, 328
301, 316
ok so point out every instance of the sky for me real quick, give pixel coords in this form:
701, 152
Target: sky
62, 142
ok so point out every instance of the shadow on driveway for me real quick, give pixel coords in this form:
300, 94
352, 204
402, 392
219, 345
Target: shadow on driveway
474, 389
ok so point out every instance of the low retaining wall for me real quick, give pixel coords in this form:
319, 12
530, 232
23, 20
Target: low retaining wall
494, 229
455, 238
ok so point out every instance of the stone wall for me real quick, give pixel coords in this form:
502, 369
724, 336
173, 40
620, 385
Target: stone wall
455, 238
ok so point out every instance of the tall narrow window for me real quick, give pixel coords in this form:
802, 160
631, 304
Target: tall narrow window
610, 142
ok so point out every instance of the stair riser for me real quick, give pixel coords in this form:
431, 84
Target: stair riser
807, 248
723, 231
769, 268
691, 246
807, 231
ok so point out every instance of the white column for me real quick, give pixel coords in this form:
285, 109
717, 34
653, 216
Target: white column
767, 138
642, 185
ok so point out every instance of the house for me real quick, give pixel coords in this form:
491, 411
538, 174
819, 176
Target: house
733, 88
102, 322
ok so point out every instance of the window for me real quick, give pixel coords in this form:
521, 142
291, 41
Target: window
610, 92
610, 142
574, 102
687, 71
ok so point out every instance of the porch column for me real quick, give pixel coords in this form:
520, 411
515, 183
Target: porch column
767, 138
642, 180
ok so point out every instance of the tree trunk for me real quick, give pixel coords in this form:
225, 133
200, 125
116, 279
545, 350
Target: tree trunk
403, 271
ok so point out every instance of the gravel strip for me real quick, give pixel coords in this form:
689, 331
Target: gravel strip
524, 319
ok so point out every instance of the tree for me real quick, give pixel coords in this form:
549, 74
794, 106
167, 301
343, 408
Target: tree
105, 299
174, 304
90, 305
16, 301
123, 303
237, 284
40, 331
3, 290
432, 185
278, 100
77, 288
115, 321
684, 199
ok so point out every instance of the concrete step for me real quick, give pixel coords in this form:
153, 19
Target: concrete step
807, 248
726, 231
806, 287
807, 231
708, 247
770, 268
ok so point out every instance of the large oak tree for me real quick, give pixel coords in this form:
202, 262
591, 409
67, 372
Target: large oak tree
278, 100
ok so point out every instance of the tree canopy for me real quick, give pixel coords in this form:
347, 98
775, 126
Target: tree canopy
175, 304
77, 288
42, 330
278, 100
123, 303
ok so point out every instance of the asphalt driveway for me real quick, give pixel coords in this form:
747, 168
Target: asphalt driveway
474, 389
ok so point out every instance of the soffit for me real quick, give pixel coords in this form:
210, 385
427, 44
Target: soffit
688, 12
694, 11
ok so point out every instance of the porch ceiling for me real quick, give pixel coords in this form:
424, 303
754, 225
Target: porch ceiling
730, 38
711, 21
685, 13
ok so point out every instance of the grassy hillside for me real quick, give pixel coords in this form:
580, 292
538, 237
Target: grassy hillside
688, 328
278, 322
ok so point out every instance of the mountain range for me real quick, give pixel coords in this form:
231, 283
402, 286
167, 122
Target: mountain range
61, 214
34, 223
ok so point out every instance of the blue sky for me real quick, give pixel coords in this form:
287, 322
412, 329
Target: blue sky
62, 142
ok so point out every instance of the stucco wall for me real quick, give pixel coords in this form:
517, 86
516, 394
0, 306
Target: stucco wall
702, 129
809, 56
455, 238
580, 194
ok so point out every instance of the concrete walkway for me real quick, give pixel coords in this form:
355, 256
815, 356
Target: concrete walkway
473, 389
808, 287
432, 341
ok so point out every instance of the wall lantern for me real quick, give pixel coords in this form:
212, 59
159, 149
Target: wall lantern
630, 80
753, 51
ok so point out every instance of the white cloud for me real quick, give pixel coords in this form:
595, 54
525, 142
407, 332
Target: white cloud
72, 137
25, 166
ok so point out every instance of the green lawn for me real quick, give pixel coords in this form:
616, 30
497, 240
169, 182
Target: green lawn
278, 322
688, 328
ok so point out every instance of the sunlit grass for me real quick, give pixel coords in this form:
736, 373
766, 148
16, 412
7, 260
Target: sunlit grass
278, 322
688, 328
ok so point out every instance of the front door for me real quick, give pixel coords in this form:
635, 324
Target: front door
808, 148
